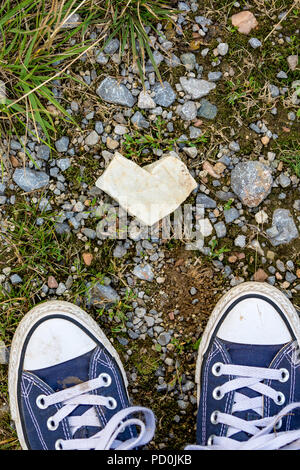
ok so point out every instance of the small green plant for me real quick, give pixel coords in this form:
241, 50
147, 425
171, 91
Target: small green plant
236, 92
129, 20
146, 364
228, 204
178, 345
196, 345
214, 253
138, 145
32, 42
38, 48
117, 312
289, 152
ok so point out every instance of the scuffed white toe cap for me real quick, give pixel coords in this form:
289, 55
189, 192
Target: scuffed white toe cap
55, 341
254, 321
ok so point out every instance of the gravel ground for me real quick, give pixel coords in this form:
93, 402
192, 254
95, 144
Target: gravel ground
228, 109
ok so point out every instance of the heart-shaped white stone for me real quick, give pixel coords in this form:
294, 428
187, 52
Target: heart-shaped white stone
149, 193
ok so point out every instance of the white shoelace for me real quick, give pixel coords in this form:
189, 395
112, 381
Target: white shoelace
263, 431
105, 439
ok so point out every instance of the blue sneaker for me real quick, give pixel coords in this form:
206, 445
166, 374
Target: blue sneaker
248, 372
67, 386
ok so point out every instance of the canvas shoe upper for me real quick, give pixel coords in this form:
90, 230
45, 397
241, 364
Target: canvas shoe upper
248, 372
67, 386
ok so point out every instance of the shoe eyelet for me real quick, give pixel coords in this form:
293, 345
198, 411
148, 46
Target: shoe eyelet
111, 403
59, 444
40, 402
280, 399
210, 440
284, 375
214, 417
52, 425
278, 424
217, 369
217, 394
106, 378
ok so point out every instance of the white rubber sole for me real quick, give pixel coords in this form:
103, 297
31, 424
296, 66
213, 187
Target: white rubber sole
30, 319
231, 296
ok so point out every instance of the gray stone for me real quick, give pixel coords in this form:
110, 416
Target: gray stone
297, 205
113, 92
189, 385
254, 42
30, 180
224, 195
207, 110
62, 144
188, 111
290, 264
274, 90
164, 94
203, 21
133, 334
281, 74
71, 22
255, 128
63, 163
122, 340
231, 215
99, 127
100, 294
157, 57
144, 272
61, 228
61, 288
112, 46
15, 145
44, 205
191, 151
164, 338
173, 61
234, 146
188, 60
290, 277
100, 57
119, 251
139, 121
183, 404
285, 226
252, 182
92, 139
4, 353
89, 233
214, 76
2, 92
2, 188
183, 6
222, 48
197, 88
15, 279
145, 101
292, 61
220, 229
149, 320
206, 201
195, 132
272, 232
240, 241
43, 152
284, 180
